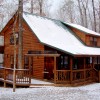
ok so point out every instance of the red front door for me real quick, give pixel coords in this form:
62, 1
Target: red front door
49, 67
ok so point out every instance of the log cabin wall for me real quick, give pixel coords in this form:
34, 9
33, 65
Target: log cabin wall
95, 42
8, 49
30, 43
88, 40
80, 35
85, 37
98, 43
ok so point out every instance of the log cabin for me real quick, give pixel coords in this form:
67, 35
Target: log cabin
54, 50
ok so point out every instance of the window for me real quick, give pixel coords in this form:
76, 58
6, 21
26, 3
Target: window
93, 41
95, 60
64, 62
12, 38
75, 63
26, 62
12, 61
98, 60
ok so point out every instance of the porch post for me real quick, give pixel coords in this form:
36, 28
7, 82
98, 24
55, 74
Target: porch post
99, 76
55, 69
4, 77
29, 69
84, 69
71, 68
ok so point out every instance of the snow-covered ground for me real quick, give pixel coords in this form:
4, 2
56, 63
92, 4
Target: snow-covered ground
35, 81
88, 92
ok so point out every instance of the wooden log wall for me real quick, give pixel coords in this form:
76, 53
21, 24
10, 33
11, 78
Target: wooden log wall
85, 37
80, 34
98, 43
30, 42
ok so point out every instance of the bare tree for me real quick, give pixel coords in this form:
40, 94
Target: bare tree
97, 10
40, 2
36, 7
81, 13
94, 16
84, 6
65, 13
32, 6
20, 55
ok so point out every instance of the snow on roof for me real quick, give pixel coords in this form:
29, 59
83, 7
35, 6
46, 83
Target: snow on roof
81, 28
1, 41
55, 34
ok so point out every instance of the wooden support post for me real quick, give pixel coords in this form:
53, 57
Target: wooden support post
29, 69
71, 68
84, 70
93, 68
14, 80
55, 69
4, 77
99, 76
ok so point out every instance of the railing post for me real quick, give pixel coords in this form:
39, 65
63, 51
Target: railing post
4, 77
84, 70
99, 76
14, 79
29, 69
71, 73
55, 69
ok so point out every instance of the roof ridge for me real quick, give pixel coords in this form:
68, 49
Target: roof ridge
42, 16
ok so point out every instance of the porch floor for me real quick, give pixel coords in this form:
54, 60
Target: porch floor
46, 83
39, 83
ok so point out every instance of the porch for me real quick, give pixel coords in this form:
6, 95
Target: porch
22, 76
78, 70
63, 77
67, 70
71, 70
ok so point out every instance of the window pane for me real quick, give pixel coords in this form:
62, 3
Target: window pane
98, 60
95, 60
91, 38
95, 39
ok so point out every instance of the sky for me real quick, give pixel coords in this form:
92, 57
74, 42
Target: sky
55, 5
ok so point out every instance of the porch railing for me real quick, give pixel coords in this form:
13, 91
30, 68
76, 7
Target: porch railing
22, 76
76, 76
63, 76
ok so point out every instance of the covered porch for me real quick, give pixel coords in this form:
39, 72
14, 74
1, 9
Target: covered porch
74, 70
67, 69
78, 70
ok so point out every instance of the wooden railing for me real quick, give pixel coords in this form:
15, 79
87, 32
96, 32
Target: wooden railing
22, 76
1, 73
62, 76
76, 76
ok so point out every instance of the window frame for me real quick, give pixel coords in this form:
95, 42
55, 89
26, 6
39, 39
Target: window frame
93, 41
12, 38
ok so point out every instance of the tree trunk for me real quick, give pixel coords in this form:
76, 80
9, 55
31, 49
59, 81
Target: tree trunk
20, 55
99, 16
81, 14
32, 6
41, 5
94, 16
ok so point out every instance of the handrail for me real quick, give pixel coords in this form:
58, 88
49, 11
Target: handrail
63, 70
21, 79
12, 68
95, 69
